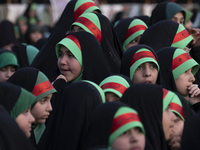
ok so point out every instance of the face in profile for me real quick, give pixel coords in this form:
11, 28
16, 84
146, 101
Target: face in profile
130, 139
68, 64
146, 73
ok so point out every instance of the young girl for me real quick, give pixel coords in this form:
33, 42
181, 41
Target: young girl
68, 124
114, 86
152, 103
80, 57
100, 26
8, 64
140, 63
129, 31
38, 84
117, 126
72, 10
17, 101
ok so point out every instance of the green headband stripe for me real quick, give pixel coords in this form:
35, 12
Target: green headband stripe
99, 89
182, 37
31, 52
89, 21
84, 6
25, 100
119, 89
47, 88
135, 65
125, 118
167, 98
7, 58
185, 65
135, 29
72, 46
176, 107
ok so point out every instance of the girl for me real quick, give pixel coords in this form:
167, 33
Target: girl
17, 101
140, 63
8, 64
117, 126
80, 57
152, 103
100, 26
114, 86
129, 31
38, 84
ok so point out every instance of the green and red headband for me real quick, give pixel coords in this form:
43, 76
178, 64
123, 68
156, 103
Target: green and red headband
84, 6
114, 84
43, 87
143, 55
90, 23
71, 43
124, 119
181, 62
135, 29
182, 38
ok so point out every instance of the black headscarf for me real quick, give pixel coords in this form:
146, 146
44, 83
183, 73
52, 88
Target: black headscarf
127, 59
7, 33
147, 100
67, 129
11, 136
94, 64
163, 33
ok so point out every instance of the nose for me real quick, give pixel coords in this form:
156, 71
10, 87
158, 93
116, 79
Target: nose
133, 136
147, 72
49, 106
173, 117
9, 73
63, 60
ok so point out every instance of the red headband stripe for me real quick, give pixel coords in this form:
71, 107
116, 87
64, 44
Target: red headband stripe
176, 107
180, 36
124, 119
91, 26
134, 29
142, 54
165, 92
82, 8
42, 88
180, 60
113, 85
73, 38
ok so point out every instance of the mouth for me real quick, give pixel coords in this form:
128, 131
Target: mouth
135, 148
149, 82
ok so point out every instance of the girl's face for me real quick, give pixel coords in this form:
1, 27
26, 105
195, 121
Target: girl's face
68, 64
168, 122
179, 18
6, 72
184, 81
129, 140
24, 121
146, 73
76, 28
110, 97
133, 42
42, 109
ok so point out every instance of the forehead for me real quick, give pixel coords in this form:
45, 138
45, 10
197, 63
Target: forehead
64, 49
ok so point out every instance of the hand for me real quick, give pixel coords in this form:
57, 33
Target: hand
174, 142
195, 94
195, 32
60, 77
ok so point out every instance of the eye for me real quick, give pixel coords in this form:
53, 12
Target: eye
138, 130
3, 69
139, 67
153, 66
13, 69
60, 53
42, 101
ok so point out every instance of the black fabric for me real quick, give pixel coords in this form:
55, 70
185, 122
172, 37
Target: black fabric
9, 94
11, 137
7, 33
147, 100
110, 43
47, 56
160, 34
144, 18
67, 129
165, 56
5, 50
25, 77
101, 125
190, 137
121, 29
130, 82
20, 51
127, 58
